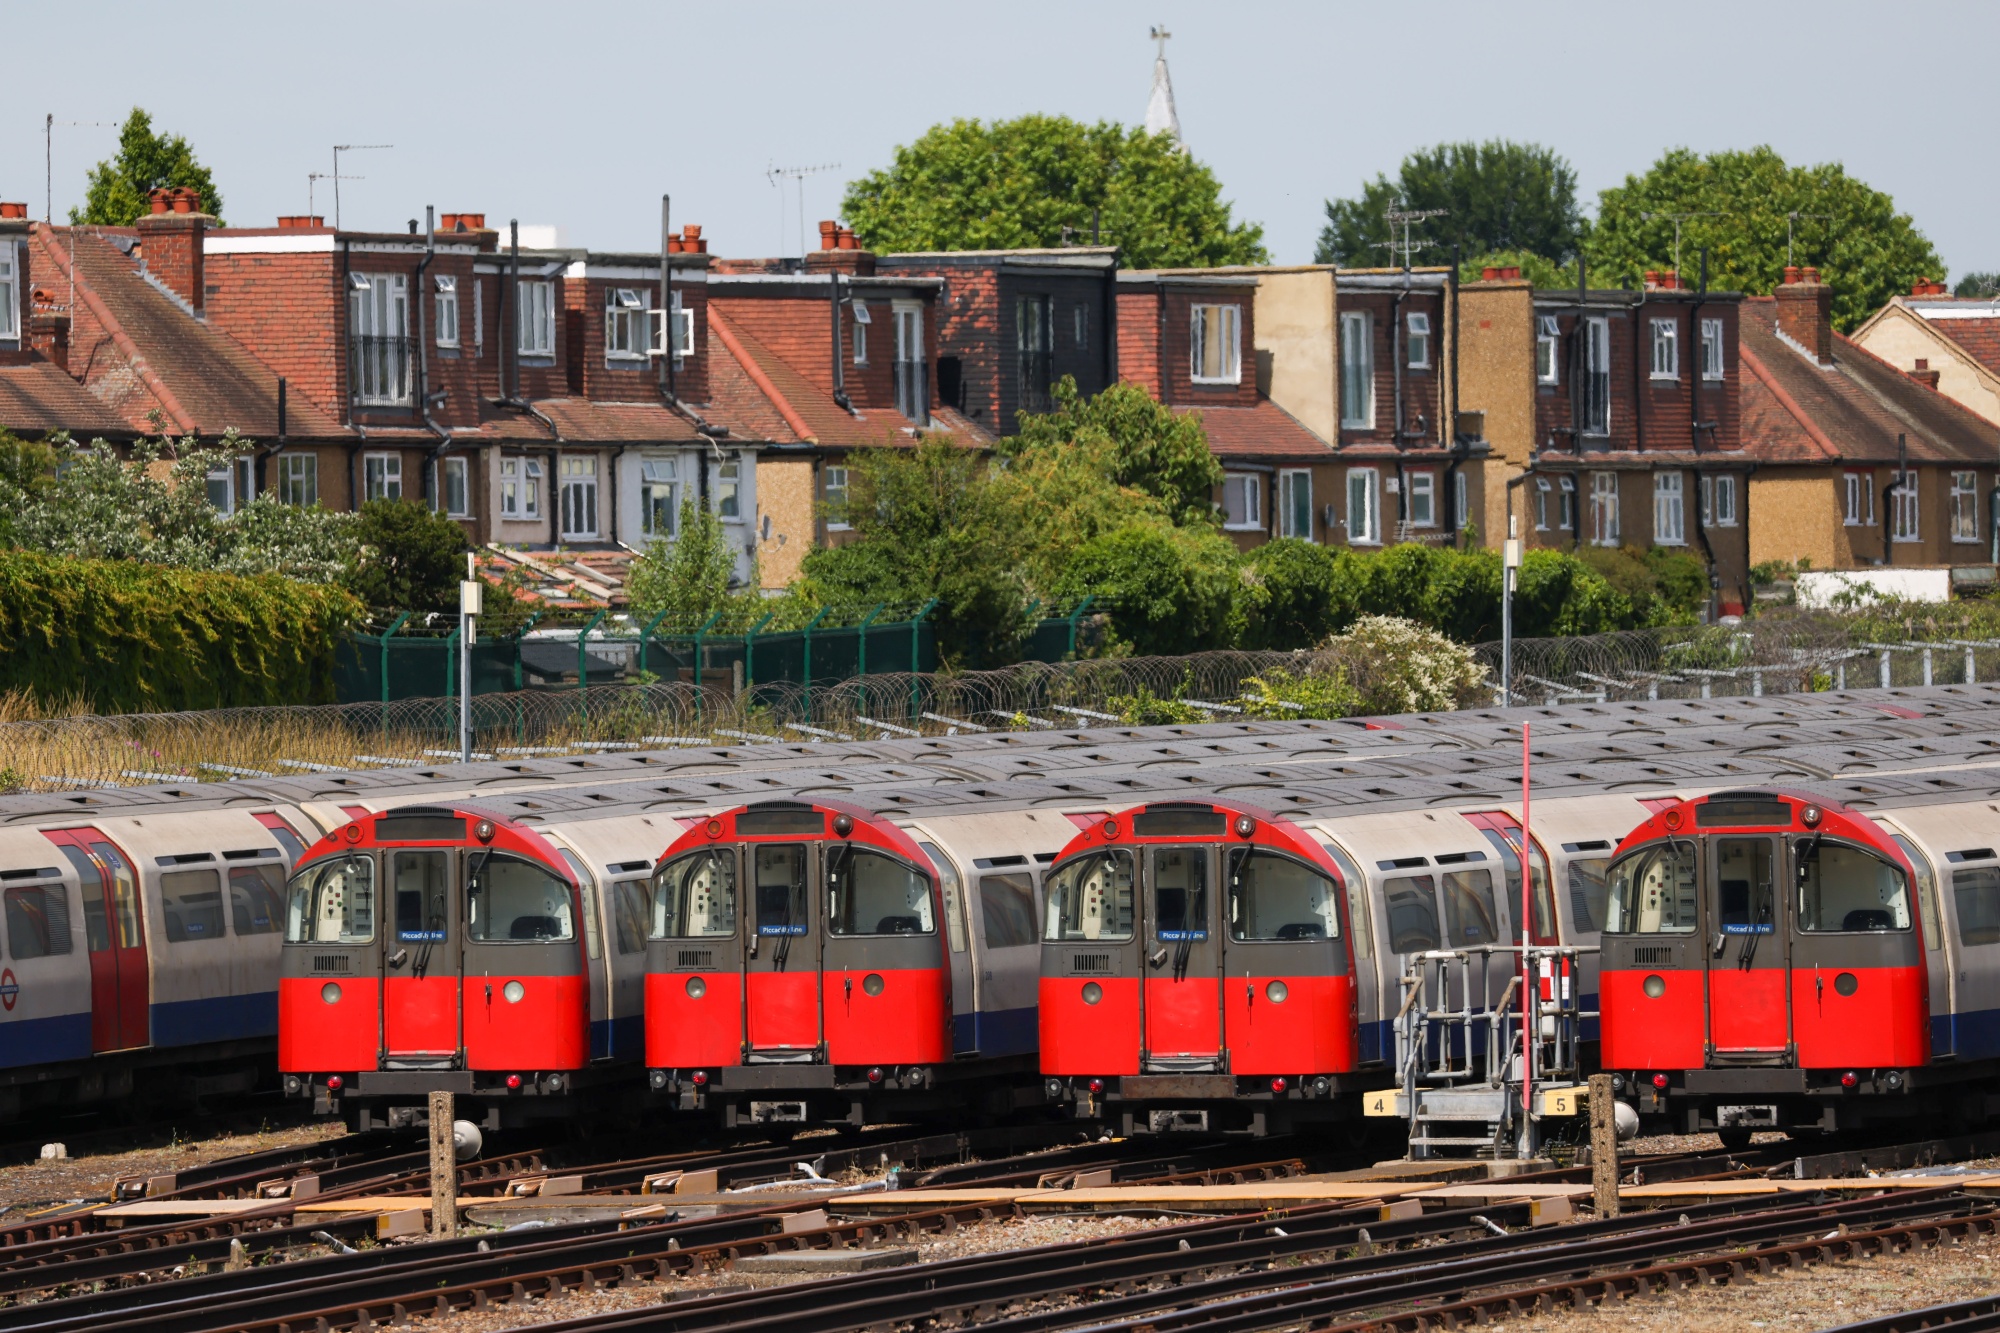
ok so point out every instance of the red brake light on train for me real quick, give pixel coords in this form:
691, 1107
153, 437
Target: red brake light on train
699, 1078
875, 1074
352, 833
713, 828
333, 1083
1672, 819
1277, 1085
1097, 1085
1849, 1079
1660, 1082
513, 1082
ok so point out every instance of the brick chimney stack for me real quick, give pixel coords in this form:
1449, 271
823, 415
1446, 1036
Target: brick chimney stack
170, 241
1924, 375
1805, 312
840, 252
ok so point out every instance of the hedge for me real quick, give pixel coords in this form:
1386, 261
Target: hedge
132, 637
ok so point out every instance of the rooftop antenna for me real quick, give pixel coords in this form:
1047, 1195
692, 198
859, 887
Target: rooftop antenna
315, 177
1679, 218
49, 157
778, 176
1407, 216
1793, 217
338, 149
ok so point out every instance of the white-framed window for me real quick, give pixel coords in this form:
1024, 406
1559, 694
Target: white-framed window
1666, 349
1597, 376
1242, 501
579, 495
660, 495
627, 324
729, 491
231, 486
1419, 339
445, 294
1604, 509
1711, 349
1423, 499
378, 331
1860, 508
1364, 507
1669, 510
1566, 495
1295, 503
1718, 501
10, 297
683, 320
1461, 499
1080, 320
521, 488
860, 335
479, 318
1904, 521
1357, 370
1215, 333
1548, 340
454, 476
1964, 507
536, 319
298, 479
836, 500
913, 390
382, 476
1542, 489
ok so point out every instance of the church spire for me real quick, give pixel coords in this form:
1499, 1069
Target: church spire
1160, 113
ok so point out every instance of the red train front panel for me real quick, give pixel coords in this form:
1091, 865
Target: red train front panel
1763, 966
797, 966
1196, 971
433, 949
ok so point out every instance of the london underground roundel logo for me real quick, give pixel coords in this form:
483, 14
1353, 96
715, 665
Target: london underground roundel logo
10, 990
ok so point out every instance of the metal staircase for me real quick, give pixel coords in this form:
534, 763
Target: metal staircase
1458, 1049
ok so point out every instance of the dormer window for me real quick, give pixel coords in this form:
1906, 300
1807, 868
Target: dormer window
1419, 340
10, 305
447, 309
536, 319
625, 325
1216, 334
862, 320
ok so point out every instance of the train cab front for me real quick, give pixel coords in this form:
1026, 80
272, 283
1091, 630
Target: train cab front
432, 949
1763, 968
795, 971
1196, 974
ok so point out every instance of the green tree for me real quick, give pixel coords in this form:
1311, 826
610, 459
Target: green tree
1038, 180
688, 578
1498, 196
1742, 201
121, 187
1169, 590
411, 558
1134, 440
1978, 285
1295, 593
928, 523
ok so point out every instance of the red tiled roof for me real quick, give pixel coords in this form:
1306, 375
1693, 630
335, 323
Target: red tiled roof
1980, 338
758, 385
201, 380
1263, 431
615, 423
39, 397
1795, 411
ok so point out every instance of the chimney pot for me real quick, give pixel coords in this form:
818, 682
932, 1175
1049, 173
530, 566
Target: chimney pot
847, 241
13, 210
1791, 274
692, 231
1923, 363
829, 235
1489, 273
159, 201
1811, 274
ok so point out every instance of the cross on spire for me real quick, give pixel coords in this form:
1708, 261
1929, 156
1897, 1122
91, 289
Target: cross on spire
1160, 35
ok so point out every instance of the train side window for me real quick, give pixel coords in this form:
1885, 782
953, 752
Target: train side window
1653, 891
512, 901
1357, 902
192, 901
1274, 897
954, 896
1007, 910
868, 893
781, 888
628, 914
1470, 917
1507, 845
256, 897
37, 921
330, 902
124, 895
1927, 905
1589, 887
1091, 898
1413, 915
1847, 888
418, 885
96, 921
694, 896
1976, 892
593, 938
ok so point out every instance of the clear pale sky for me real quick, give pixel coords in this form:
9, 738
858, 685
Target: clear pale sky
581, 114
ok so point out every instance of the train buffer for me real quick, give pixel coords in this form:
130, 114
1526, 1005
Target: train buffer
1465, 1088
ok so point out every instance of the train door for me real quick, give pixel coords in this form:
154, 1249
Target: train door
114, 934
966, 984
421, 960
1749, 1002
781, 992
1183, 998
1938, 951
1368, 1010
597, 958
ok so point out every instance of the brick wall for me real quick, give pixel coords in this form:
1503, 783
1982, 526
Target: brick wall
1422, 385
1177, 344
287, 309
593, 374
1139, 337
799, 330
1646, 413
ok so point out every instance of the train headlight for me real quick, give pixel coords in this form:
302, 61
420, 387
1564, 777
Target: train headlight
1245, 826
1618, 1084
843, 824
1810, 816
1655, 986
1109, 829
1894, 1078
555, 1082
913, 1078
1277, 991
330, 992
292, 1085
483, 830
658, 1078
513, 990
1321, 1086
872, 983
696, 988
1054, 1088
1092, 992
352, 833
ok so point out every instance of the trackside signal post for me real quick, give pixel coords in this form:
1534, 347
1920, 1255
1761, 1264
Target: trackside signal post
470, 598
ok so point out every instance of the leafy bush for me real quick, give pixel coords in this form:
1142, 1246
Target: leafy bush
408, 557
1293, 592
1169, 590
1281, 693
1665, 587
133, 637
1136, 441
1398, 666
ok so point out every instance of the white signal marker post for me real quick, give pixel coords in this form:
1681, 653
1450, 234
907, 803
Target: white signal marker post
1510, 560
1531, 1000
469, 605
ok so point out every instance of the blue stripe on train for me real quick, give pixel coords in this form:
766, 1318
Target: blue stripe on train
623, 1037
40, 1041
997, 1032
222, 1018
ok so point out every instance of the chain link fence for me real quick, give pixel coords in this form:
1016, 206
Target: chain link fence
1757, 658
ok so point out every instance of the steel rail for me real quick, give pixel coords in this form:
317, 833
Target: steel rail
1980, 1312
